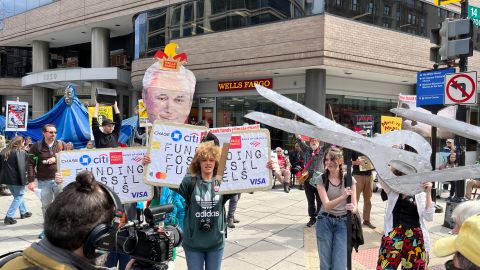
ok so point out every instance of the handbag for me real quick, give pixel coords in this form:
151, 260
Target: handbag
302, 176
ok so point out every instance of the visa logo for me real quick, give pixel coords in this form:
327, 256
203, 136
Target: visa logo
258, 181
139, 194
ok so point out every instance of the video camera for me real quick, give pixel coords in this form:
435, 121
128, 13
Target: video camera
149, 244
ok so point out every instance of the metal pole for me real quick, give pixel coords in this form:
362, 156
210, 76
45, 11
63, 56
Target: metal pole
461, 115
348, 158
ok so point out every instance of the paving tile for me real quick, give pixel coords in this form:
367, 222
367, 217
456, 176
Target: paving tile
13, 244
247, 236
272, 223
287, 265
263, 254
297, 258
290, 238
237, 264
231, 248
26, 231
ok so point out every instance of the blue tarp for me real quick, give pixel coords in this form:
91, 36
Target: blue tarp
71, 122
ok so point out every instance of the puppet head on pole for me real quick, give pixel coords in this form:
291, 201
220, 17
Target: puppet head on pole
168, 87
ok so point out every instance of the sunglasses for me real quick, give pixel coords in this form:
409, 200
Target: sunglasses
52, 132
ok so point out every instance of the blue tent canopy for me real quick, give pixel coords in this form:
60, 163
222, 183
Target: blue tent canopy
71, 122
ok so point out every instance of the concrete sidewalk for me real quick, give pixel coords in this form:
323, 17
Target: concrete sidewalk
271, 233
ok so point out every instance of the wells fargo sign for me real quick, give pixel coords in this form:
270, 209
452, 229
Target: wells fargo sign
244, 85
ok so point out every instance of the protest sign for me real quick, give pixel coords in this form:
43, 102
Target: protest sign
223, 134
119, 168
171, 148
247, 158
390, 123
103, 112
16, 116
143, 115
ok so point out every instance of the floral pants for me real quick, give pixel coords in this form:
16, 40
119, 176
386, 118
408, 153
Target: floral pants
405, 247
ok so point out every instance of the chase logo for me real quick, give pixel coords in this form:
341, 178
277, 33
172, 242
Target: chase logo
176, 135
85, 160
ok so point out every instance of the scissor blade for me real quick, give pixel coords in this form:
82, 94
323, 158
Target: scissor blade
458, 127
452, 174
302, 111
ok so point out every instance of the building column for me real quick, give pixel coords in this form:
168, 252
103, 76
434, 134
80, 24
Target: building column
316, 90
100, 55
39, 63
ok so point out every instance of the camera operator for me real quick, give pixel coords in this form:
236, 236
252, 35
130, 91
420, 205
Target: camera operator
69, 220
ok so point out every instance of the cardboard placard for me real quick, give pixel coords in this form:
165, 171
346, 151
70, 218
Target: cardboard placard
119, 168
246, 168
171, 149
390, 123
16, 116
143, 115
103, 112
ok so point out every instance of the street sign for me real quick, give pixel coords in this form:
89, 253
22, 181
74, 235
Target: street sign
445, 2
430, 86
474, 15
461, 88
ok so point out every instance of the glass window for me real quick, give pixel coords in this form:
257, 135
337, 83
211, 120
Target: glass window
338, 3
386, 10
354, 4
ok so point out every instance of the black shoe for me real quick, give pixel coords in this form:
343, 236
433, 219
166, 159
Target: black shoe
9, 221
26, 215
4, 192
301, 187
286, 188
311, 222
230, 223
235, 220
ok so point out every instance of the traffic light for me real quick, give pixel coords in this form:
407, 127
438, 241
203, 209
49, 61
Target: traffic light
453, 39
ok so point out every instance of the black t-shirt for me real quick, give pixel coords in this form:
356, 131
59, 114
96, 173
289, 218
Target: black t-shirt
405, 212
356, 168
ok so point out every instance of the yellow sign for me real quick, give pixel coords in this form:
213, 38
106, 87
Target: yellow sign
445, 2
143, 115
104, 111
390, 123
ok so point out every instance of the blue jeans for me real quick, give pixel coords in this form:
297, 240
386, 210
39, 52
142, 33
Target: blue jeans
332, 242
18, 202
211, 259
50, 190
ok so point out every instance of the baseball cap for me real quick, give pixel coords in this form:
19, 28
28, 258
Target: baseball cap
466, 242
107, 121
449, 140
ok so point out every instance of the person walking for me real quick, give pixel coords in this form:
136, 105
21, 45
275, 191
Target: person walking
332, 219
13, 161
364, 185
42, 165
108, 136
313, 157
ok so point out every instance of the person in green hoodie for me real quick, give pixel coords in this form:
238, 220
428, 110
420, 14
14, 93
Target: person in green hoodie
205, 226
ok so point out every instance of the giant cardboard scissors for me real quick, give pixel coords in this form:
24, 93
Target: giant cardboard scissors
379, 150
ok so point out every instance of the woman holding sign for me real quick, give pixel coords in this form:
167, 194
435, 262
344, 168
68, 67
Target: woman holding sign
332, 218
205, 218
204, 224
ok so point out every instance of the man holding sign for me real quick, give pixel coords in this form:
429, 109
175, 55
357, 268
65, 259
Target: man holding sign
108, 137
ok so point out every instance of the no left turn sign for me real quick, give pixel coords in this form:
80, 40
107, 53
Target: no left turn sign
461, 88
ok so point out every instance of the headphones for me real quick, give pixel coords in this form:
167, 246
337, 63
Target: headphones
103, 229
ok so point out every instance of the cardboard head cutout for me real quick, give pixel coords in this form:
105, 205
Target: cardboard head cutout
168, 87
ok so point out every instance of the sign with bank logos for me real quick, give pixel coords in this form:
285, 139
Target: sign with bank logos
246, 167
171, 149
121, 169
